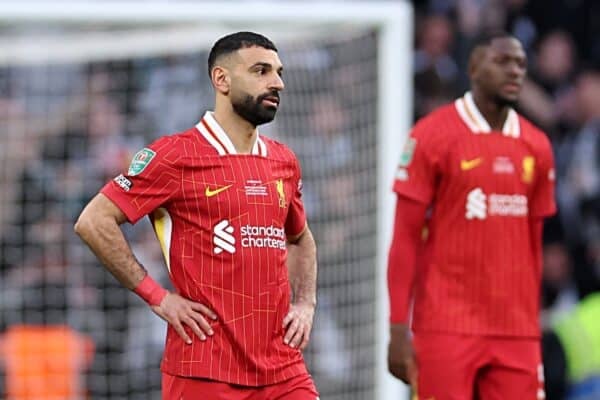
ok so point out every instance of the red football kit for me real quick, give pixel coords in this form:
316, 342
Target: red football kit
478, 270
300, 387
222, 220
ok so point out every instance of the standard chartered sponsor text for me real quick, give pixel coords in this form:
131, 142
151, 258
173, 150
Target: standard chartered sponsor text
508, 205
263, 236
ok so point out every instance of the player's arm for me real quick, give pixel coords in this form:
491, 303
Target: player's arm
99, 227
408, 225
302, 267
302, 270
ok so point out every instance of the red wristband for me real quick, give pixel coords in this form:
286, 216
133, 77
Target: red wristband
149, 290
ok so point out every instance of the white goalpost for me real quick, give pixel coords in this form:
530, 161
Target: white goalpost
83, 82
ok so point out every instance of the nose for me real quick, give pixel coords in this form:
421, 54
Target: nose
277, 83
516, 70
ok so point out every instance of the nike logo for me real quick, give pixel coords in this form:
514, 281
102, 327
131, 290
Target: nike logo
466, 165
211, 193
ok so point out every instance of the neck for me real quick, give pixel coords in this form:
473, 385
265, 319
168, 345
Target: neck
241, 133
494, 114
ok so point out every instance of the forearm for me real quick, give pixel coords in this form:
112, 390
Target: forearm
108, 244
302, 268
102, 234
409, 221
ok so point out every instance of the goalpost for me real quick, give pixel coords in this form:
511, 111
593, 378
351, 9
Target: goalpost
82, 83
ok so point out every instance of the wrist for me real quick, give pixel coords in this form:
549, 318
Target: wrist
401, 329
150, 291
308, 304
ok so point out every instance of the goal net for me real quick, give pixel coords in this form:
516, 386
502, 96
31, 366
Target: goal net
84, 86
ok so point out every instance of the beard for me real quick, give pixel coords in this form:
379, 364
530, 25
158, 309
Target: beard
502, 101
252, 110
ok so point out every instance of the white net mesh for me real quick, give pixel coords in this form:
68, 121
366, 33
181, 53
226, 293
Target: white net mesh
69, 124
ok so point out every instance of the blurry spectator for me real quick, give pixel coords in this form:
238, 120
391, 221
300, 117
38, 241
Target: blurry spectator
572, 353
322, 148
520, 24
579, 17
436, 71
555, 62
176, 90
326, 153
584, 170
45, 362
12, 121
559, 292
585, 166
43, 357
579, 188
327, 123
468, 17
103, 125
547, 97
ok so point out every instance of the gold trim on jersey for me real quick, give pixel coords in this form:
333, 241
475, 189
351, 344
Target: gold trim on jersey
163, 226
472, 117
214, 134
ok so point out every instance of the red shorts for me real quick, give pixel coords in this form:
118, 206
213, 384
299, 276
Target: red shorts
300, 387
464, 367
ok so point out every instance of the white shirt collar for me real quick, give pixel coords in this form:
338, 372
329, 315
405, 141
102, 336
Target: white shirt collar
216, 136
472, 117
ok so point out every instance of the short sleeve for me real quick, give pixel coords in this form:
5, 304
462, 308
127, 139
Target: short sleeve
296, 218
417, 169
543, 202
150, 181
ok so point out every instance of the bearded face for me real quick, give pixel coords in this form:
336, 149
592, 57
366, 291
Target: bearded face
256, 110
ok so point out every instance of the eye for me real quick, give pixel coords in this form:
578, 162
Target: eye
502, 60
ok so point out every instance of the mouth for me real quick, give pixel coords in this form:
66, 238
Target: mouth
271, 101
513, 87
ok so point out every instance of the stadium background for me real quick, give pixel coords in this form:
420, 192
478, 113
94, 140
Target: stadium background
65, 129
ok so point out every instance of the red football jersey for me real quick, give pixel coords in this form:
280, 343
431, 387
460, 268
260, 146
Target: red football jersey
222, 219
478, 272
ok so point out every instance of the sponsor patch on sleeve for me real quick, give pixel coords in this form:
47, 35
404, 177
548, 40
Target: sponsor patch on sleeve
407, 152
123, 182
140, 161
402, 174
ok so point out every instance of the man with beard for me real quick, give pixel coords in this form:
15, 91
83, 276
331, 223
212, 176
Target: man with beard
480, 178
226, 206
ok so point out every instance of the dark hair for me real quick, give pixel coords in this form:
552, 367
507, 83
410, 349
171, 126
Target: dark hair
235, 41
486, 38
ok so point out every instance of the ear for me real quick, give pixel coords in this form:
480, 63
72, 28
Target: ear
220, 79
474, 61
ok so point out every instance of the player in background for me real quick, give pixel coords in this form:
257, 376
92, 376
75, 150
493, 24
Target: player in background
226, 206
480, 177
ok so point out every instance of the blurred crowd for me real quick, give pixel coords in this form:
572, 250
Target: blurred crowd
66, 129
